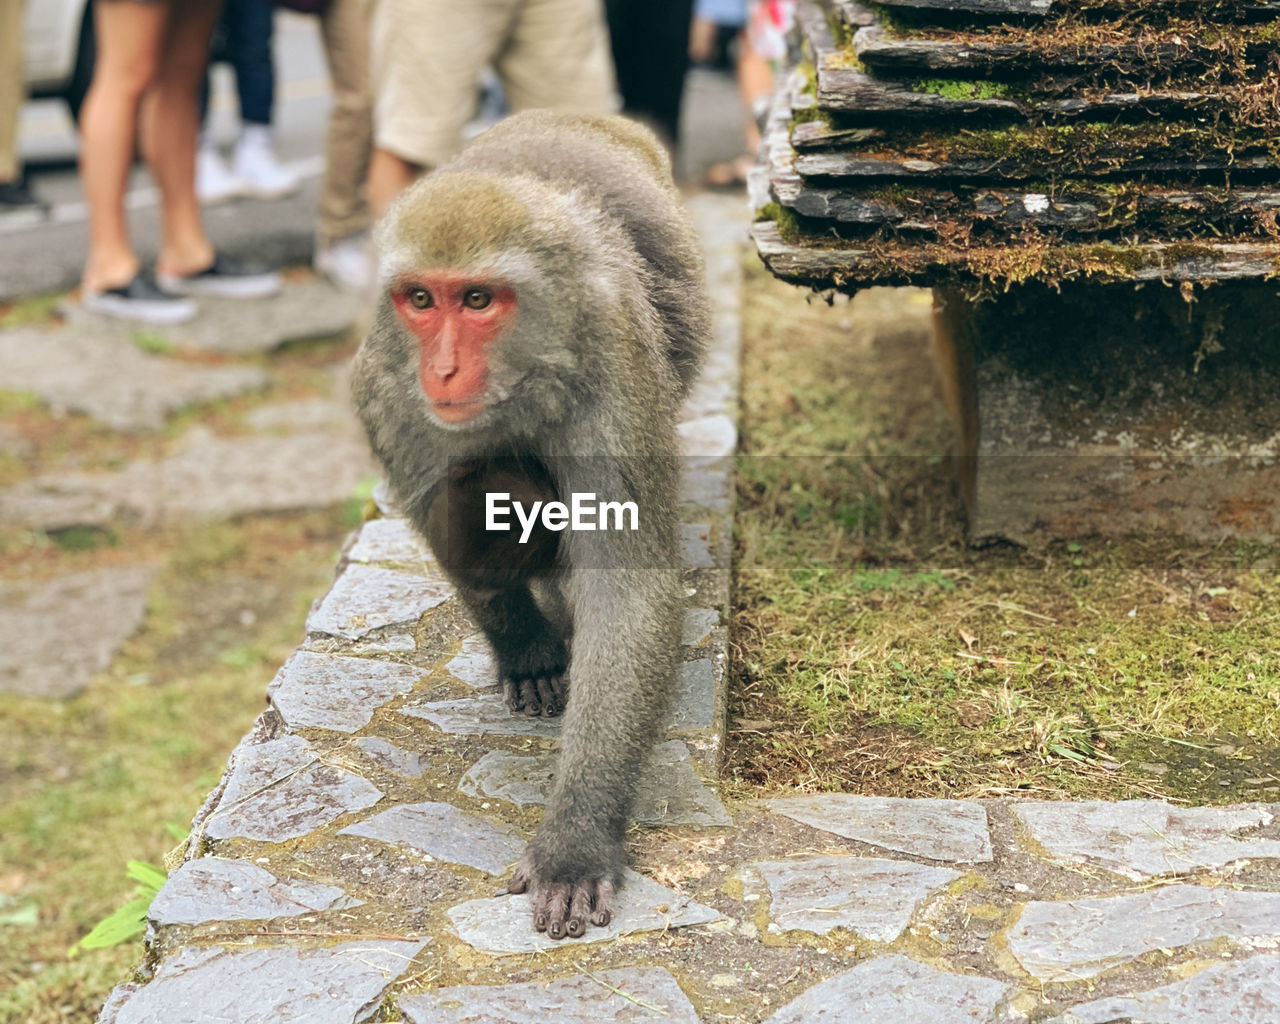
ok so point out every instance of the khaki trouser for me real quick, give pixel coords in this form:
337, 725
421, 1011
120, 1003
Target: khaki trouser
12, 87
344, 207
428, 55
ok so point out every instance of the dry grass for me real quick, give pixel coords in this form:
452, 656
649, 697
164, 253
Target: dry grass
875, 652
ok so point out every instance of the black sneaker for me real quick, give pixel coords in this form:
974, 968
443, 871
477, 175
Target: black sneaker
226, 278
14, 195
140, 300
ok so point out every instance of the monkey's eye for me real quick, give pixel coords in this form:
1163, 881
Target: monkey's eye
420, 298
476, 298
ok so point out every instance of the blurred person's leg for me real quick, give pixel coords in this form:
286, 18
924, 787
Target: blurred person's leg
128, 35
13, 193
170, 125
250, 25
558, 57
188, 263
426, 57
342, 250
650, 45
215, 181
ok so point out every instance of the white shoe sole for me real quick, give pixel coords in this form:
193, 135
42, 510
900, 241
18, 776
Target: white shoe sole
247, 286
147, 311
258, 192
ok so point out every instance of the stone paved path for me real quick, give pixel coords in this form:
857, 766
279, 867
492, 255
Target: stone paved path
294, 455
345, 867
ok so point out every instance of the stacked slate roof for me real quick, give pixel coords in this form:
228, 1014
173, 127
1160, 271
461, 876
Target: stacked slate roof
936, 142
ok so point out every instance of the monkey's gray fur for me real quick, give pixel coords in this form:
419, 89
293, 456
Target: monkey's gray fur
581, 217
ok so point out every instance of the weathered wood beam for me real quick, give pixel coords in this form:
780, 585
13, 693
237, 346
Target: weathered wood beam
1036, 8
848, 266
979, 168
1075, 206
891, 55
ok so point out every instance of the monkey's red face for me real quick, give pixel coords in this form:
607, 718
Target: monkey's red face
455, 320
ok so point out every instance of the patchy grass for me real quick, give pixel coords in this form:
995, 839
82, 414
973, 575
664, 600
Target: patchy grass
876, 652
92, 782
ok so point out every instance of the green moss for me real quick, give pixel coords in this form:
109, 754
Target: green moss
957, 89
788, 221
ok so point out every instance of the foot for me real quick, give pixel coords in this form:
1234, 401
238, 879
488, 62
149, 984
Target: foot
14, 196
225, 277
563, 909
139, 300
256, 165
347, 262
215, 181
729, 176
536, 678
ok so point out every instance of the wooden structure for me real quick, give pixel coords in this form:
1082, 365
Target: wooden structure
1092, 188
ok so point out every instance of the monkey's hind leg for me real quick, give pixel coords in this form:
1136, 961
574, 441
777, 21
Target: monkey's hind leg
533, 659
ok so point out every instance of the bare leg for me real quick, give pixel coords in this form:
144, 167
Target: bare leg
129, 37
170, 127
755, 80
389, 175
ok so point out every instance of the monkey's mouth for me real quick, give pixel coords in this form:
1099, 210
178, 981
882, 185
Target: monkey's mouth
459, 412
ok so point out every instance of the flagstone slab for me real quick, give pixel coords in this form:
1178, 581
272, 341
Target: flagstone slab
945, 830
697, 626
870, 896
218, 889
669, 791
389, 540
59, 633
894, 988
695, 546
628, 996
108, 377
281, 789
1242, 992
695, 696
322, 691
503, 924
1073, 939
387, 755
366, 598
208, 478
446, 833
475, 664
304, 310
199, 985
482, 715
1143, 838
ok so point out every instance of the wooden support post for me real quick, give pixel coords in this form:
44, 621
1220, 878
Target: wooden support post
1112, 409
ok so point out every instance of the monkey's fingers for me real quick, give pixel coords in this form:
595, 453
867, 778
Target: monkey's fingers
522, 695
552, 693
602, 913
551, 909
520, 879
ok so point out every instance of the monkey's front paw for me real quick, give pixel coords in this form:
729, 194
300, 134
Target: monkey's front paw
535, 680
563, 908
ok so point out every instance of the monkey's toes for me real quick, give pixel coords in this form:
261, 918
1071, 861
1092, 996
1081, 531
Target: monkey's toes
563, 910
543, 695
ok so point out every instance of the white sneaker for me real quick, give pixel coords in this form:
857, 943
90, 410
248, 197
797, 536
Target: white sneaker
256, 165
348, 262
215, 181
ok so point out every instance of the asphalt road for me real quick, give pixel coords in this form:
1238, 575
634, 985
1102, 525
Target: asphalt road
39, 255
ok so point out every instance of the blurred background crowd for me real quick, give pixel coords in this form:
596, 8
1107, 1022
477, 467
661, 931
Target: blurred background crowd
410, 81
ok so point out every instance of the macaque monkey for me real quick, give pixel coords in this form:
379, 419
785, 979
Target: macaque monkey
542, 315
